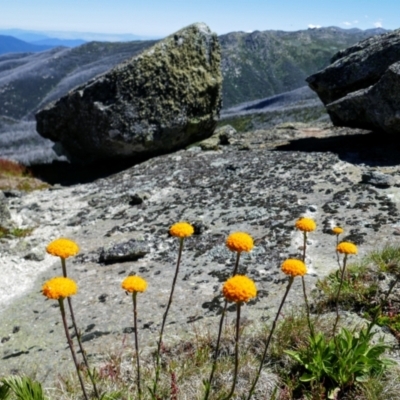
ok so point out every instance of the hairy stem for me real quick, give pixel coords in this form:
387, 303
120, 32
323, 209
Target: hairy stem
78, 335
236, 352
338, 294
71, 346
267, 342
165, 318
136, 343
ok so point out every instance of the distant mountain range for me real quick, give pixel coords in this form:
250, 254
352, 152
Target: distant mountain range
255, 65
10, 44
262, 64
82, 37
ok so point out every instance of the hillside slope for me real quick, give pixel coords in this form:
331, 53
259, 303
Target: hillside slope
10, 44
254, 65
29, 81
261, 64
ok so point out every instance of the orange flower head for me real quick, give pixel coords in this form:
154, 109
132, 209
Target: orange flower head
59, 288
63, 248
337, 230
347, 248
305, 224
134, 283
239, 289
181, 230
239, 241
293, 267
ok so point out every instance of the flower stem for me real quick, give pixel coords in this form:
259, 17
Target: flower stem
78, 335
215, 357
310, 327
221, 323
253, 386
304, 247
165, 318
236, 352
235, 269
338, 294
337, 253
136, 343
71, 346
384, 301
304, 286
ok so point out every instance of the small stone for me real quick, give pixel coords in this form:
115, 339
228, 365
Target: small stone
137, 198
378, 179
131, 250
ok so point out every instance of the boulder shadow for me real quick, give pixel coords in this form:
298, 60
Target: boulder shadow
370, 148
68, 174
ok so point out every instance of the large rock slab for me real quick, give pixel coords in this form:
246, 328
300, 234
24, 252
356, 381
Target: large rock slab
360, 88
285, 172
166, 98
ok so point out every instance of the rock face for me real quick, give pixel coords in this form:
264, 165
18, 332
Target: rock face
259, 183
166, 98
361, 87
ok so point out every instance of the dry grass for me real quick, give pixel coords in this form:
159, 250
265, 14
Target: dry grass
14, 176
185, 365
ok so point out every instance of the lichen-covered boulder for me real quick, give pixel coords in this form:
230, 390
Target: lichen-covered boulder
360, 89
166, 98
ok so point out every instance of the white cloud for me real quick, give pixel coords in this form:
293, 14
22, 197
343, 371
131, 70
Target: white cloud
347, 23
378, 24
312, 26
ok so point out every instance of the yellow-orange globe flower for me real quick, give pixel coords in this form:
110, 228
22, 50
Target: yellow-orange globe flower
134, 283
239, 289
181, 230
293, 267
239, 241
347, 248
305, 224
63, 248
337, 230
59, 288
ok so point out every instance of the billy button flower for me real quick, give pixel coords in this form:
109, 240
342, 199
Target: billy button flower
239, 241
135, 284
236, 242
347, 249
306, 224
337, 230
60, 288
292, 268
238, 289
65, 248
181, 230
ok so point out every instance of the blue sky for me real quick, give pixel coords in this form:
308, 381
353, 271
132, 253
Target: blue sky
162, 17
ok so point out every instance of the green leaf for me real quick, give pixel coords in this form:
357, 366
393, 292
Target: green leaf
24, 388
4, 392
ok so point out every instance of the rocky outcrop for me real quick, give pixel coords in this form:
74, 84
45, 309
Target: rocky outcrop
166, 98
260, 183
361, 86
